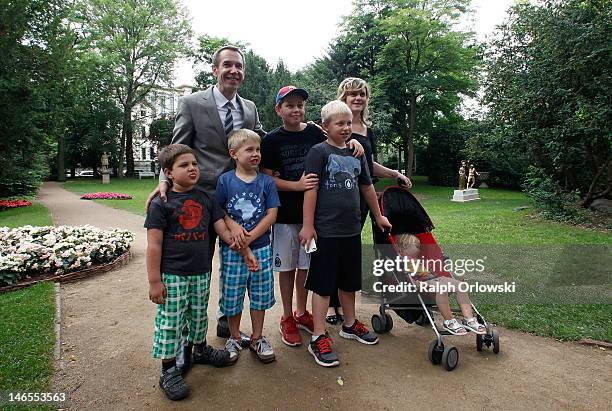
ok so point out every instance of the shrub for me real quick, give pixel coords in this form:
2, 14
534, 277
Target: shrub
547, 197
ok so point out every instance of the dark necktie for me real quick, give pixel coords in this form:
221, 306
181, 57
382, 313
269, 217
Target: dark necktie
228, 124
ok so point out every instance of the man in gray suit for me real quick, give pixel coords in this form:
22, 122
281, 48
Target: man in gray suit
203, 122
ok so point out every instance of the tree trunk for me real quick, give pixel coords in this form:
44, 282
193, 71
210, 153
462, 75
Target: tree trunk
408, 140
61, 173
129, 149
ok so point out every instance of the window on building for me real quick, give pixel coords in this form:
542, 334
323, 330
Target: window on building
162, 105
172, 104
143, 152
143, 113
151, 153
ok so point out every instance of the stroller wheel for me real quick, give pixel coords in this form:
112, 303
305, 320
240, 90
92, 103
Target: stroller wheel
478, 342
495, 335
434, 353
378, 324
450, 358
388, 322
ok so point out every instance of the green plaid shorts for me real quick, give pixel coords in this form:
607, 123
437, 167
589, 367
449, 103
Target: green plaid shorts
186, 302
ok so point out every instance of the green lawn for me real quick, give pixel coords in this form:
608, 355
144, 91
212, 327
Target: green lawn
138, 189
27, 333
36, 215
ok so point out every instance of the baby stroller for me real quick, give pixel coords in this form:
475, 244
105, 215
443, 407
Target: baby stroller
407, 215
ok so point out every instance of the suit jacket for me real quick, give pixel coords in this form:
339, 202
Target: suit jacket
198, 125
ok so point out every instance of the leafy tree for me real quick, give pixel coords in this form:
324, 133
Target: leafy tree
35, 44
424, 67
548, 90
138, 41
160, 131
95, 123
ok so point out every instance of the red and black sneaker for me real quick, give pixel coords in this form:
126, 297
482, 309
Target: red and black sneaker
321, 350
359, 332
289, 332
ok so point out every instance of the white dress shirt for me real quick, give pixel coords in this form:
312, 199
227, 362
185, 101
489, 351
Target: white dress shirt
221, 101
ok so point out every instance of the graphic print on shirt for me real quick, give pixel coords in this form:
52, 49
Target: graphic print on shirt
250, 206
336, 165
189, 217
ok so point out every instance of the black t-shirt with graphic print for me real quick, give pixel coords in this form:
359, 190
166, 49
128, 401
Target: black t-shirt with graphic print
185, 220
284, 151
340, 174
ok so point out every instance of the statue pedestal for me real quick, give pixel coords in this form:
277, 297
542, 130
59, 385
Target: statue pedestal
469, 194
105, 178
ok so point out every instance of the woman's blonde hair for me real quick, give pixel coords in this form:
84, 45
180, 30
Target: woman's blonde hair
355, 84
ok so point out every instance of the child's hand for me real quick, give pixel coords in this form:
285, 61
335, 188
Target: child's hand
250, 260
307, 234
383, 224
157, 292
307, 182
235, 247
239, 236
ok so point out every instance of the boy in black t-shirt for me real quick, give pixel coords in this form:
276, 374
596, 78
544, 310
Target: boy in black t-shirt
283, 151
179, 268
332, 218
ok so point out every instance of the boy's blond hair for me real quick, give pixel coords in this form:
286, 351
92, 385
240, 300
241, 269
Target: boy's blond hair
406, 240
355, 84
239, 137
168, 155
334, 108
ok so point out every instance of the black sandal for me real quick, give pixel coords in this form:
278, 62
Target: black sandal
339, 317
331, 319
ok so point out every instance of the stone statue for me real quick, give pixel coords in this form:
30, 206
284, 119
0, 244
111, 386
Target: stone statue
472, 173
104, 168
462, 175
104, 160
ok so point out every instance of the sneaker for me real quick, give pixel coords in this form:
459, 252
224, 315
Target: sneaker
263, 349
304, 321
289, 332
223, 330
359, 332
173, 384
233, 347
205, 354
321, 350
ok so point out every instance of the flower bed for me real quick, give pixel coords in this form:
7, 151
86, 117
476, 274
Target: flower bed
106, 196
37, 251
6, 204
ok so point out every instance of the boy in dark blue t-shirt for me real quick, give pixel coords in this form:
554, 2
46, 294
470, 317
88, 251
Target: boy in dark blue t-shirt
251, 200
332, 218
178, 267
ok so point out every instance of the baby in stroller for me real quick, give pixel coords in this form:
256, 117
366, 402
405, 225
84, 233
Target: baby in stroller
409, 246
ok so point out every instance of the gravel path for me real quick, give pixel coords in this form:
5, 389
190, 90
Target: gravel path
107, 328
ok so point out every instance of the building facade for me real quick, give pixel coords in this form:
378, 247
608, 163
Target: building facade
160, 102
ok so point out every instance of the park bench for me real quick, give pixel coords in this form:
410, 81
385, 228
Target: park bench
142, 174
